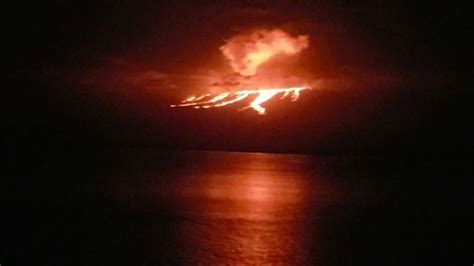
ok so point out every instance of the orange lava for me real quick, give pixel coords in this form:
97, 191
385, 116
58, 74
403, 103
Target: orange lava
261, 96
246, 52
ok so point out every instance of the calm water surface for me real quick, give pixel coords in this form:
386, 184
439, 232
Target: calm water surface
217, 208
236, 208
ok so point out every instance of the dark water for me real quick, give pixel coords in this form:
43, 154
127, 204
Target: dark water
215, 208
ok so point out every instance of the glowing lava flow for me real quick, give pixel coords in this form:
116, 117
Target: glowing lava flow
246, 52
262, 95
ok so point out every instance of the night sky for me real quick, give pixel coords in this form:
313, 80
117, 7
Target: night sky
391, 76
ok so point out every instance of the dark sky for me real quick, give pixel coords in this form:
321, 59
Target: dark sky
392, 75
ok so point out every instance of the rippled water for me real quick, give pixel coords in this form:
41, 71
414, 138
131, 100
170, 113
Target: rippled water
237, 208
215, 208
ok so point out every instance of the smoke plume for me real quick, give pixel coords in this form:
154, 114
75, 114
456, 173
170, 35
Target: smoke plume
246, 52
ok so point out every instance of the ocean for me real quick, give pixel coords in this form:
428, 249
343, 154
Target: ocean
145, 207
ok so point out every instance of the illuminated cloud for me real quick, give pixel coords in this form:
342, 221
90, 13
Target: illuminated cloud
246, 52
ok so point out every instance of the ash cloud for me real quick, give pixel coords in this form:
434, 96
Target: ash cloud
246, 52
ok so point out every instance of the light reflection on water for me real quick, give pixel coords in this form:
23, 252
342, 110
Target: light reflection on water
210, 208
239, 208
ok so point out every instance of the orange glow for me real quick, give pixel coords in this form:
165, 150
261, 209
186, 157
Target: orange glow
262, 95
246, 52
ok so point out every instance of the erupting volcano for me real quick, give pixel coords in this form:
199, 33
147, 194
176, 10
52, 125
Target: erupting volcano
246, 53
